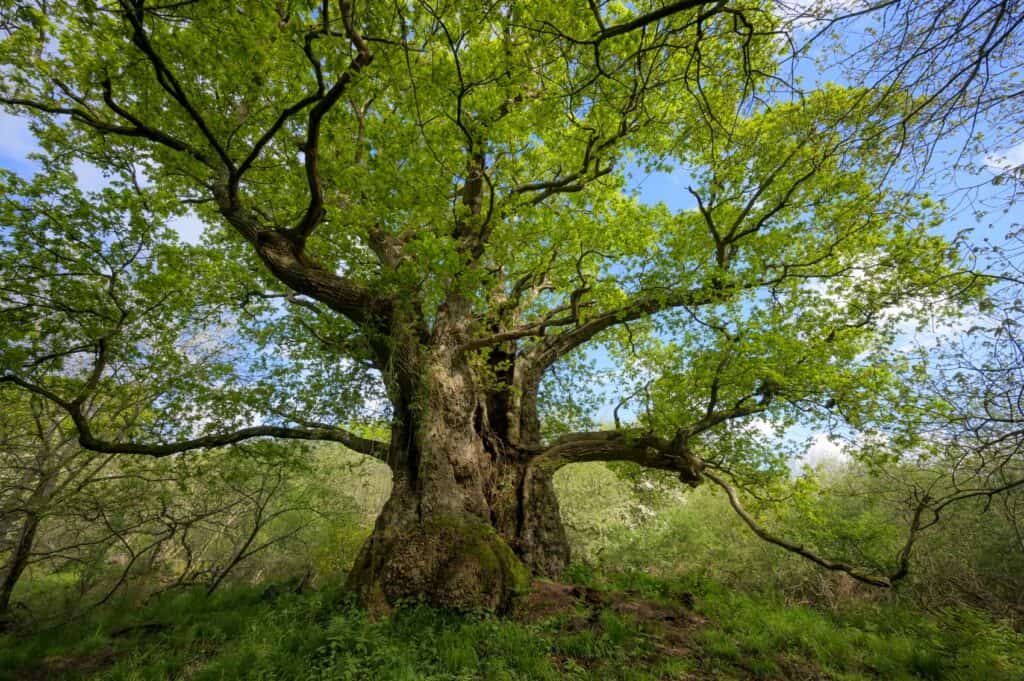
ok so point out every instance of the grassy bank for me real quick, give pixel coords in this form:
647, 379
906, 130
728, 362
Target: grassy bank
627, 627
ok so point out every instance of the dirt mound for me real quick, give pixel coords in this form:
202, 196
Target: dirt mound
669, 623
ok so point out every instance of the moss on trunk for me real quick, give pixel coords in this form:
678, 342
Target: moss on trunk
452, 561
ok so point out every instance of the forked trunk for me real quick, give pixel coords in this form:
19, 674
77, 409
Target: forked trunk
468, 520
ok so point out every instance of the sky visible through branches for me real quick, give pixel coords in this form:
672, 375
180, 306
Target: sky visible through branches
974, 200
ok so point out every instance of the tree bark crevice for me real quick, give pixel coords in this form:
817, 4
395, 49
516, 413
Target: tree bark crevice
469, 519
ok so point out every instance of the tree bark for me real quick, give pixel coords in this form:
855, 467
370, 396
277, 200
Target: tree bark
468, 521
18, 562
22, 550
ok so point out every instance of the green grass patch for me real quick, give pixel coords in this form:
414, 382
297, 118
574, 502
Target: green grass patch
322, 636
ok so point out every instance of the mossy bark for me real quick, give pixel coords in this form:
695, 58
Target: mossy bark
453, 561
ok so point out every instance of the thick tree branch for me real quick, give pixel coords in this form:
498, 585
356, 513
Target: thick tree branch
649, 18
134, 12
311, 147
326, 434
137, 130
281, 250
651, 451
551, 348
288, 262
538, 328
737, 506
647, 450
88, 440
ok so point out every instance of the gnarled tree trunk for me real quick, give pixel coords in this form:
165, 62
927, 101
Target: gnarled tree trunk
469, 520
473, 512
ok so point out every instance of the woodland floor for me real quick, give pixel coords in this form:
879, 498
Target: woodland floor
630, 628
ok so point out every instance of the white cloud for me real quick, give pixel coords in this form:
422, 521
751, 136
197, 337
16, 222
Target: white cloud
935, 332
919, 323
823, 450
1006, 159
761, 427
808, 14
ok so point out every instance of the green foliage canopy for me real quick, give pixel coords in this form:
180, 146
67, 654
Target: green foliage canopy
454, 177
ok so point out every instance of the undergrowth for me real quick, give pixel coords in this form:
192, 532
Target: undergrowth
246, 633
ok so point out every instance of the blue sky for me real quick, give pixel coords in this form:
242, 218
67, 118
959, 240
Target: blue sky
969, 192
17, 143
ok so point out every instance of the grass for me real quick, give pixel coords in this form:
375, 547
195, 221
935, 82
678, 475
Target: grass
240, 634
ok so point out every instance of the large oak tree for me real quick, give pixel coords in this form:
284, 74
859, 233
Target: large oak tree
422, 212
